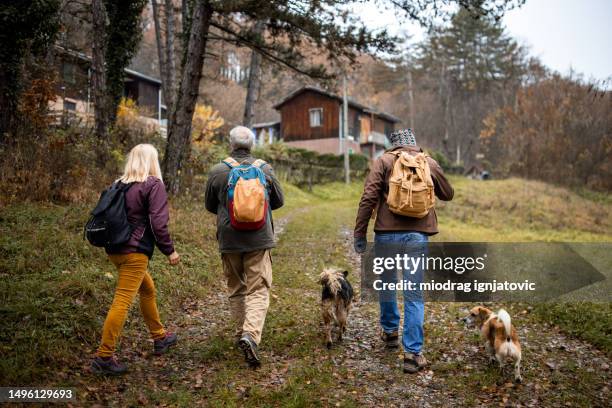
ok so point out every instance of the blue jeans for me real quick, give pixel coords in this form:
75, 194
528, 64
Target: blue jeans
413, 244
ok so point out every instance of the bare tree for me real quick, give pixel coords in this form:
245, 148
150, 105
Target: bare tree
98, 74
165, 41
116, 35
296, 30
179, 131
254, 79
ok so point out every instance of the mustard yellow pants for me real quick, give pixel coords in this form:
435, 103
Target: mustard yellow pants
133, 278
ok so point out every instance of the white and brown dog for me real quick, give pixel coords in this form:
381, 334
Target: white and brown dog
336, 299
501, 340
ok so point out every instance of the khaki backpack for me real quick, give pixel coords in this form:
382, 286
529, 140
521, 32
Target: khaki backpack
411, 188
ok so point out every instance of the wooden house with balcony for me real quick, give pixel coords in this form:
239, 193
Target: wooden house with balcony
311, 118
74, 93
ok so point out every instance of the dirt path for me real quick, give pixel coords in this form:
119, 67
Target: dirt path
376, 370
556, 368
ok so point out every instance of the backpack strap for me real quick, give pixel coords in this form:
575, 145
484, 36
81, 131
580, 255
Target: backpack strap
125, 186
231, 162
259, 163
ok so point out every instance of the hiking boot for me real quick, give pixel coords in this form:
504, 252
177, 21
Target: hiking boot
107, 366
391, 339
249, 347
162, 346
414, 362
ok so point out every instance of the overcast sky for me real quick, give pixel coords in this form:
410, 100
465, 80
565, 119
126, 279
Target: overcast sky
562, 33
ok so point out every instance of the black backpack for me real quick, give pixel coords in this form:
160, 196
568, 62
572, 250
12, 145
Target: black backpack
108, 225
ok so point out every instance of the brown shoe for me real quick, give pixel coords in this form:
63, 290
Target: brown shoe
414, 362
391, 339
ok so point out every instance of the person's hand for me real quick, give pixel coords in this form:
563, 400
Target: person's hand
174, 258
360, 244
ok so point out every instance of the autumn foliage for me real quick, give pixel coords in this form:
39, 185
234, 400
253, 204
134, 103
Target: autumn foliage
558, 130
206, 122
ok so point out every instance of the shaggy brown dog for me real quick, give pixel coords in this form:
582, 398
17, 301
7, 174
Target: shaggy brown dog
336, 298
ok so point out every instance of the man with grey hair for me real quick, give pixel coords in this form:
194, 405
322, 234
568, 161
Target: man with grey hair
241, 138
247, 263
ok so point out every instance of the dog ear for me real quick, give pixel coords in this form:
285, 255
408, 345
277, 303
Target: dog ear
345, 273
323, 279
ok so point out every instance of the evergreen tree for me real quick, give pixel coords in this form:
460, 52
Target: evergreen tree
477, 66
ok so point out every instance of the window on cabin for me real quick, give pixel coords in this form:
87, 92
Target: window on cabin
356, 129
69, 73
69, 105
316, 117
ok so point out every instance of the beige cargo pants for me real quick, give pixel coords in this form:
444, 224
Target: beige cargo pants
249, 278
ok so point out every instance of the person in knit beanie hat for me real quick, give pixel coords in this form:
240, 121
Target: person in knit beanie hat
409, 233
404, 137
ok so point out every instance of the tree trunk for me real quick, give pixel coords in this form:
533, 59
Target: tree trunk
166, 53
447, 115
184, 13
411, 98
98, 77
170, 56
160, 49
179, 132
254, 80
8, 104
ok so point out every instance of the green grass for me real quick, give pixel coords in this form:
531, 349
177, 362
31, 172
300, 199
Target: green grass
585, 320
517, 210
55, 290
53, 284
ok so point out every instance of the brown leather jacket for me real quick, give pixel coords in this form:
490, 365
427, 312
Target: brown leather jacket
375, 194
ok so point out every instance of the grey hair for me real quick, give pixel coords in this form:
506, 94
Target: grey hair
241, 137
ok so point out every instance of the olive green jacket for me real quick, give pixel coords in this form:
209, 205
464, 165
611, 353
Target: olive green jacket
232, 240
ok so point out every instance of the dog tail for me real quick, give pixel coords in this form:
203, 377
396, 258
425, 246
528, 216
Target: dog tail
330, 278
504, 317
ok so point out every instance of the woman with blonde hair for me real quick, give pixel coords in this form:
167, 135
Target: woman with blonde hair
146, 204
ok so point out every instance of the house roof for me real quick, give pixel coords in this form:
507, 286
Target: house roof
353, 103
86, 58
265, 124
142, 76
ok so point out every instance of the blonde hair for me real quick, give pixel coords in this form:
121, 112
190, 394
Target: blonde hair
141, 162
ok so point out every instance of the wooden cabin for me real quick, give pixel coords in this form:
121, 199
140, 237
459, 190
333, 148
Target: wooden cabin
266, 132
75, 95
311, 118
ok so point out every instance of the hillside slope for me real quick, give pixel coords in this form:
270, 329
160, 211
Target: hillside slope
55, 290
523, 210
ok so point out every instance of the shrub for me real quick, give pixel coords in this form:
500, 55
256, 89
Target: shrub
305, 167
62, 164
59, 166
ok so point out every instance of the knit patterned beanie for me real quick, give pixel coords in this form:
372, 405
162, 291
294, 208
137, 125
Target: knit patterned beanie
404, 137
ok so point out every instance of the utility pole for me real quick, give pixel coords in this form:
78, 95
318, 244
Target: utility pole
411, 98
344, 146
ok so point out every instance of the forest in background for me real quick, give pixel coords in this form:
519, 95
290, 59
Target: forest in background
515, 117
474, 95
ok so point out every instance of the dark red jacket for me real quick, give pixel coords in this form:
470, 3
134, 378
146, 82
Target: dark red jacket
147, 211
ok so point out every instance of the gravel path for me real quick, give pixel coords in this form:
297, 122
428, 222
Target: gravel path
458, 373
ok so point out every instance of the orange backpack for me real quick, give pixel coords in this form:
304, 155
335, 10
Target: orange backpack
247, 194
411, 188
